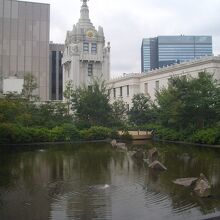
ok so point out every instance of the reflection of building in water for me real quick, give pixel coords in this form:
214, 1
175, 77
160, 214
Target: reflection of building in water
85, 55
69, 182
88, 170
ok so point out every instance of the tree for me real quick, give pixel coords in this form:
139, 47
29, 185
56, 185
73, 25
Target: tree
189, 103
91, 104
30, 84
68, 94
119, 112
141, 111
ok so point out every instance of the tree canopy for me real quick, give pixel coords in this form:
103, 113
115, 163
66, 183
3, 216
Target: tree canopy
91, 104
189, 102
141, 111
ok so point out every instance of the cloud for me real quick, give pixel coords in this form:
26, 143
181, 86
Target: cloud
126, 22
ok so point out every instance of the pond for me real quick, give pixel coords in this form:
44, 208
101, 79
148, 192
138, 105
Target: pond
94, 181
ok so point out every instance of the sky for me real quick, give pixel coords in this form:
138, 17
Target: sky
127, 22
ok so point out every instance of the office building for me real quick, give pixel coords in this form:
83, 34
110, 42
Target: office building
56, 72
167, 50
24, 43
135, 83
85, 54
149, 54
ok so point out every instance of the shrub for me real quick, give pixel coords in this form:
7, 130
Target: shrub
11, 133
206, 136
168, 134
57, 134
95, 133
39, 134
114, 134
71, 133
125, 136
150, 127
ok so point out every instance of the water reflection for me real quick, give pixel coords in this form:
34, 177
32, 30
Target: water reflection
92, 181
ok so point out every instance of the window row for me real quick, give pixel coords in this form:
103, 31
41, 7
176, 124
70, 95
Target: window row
146, 89
122, 89
87, 47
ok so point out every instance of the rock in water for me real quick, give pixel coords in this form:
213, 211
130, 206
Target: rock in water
114, 143
139, 155
153, 155
186, 181
203, 187
121, 146
157, 166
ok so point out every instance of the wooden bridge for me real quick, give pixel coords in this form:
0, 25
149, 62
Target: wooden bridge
139, 135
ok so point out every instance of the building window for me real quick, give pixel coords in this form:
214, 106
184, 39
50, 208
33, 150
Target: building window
114, 92
157, 85
85, 47
146, 88
94, 48
121, 91
90, 69
128, 90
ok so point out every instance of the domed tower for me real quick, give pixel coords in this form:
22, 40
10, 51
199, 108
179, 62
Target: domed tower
85, 54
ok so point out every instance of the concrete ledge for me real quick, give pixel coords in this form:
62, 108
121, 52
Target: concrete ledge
187, 143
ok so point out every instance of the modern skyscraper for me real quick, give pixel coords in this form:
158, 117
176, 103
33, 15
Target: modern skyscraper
85, 55
166, 50
24, 42
149, 54
56, 71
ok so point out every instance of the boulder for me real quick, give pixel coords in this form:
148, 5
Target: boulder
157, 166
121, 146
139, 155
153, 155
203, 187
186, 181
114, 143
131, 153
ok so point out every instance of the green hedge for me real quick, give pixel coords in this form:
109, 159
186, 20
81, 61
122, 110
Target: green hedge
206, 136
95, 133
12, 134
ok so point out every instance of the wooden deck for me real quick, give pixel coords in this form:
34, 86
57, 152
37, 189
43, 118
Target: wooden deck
139, 135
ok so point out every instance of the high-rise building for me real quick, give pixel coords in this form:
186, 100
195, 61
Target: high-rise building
85, 55
166, 50
24, 42
149, 54
56, 72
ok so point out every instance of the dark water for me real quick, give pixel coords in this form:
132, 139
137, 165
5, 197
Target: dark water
92, 181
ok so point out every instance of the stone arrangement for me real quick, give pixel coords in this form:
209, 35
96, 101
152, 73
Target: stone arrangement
200, 185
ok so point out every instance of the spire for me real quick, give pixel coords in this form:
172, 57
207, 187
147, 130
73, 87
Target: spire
84, 1
84, 10
84, 21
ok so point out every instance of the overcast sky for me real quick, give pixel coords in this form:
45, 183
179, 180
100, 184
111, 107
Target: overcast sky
126, 22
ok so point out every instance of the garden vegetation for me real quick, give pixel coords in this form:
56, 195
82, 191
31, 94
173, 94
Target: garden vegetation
187, 110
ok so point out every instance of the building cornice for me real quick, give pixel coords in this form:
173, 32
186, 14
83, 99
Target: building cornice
169, 69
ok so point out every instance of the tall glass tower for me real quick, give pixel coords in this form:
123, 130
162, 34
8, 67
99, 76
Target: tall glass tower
167, 50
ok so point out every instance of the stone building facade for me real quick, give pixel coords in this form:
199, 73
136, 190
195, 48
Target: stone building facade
85, 55
126, 87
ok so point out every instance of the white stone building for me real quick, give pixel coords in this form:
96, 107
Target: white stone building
85, 55
129, 85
